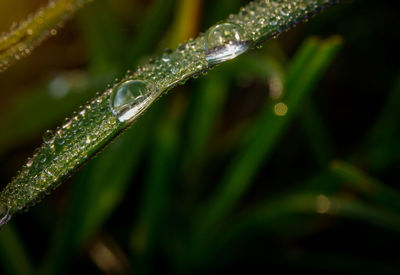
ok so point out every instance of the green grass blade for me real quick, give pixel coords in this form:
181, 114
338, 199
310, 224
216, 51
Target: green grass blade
368, 186
13, 255
265, 133
147, 233
28, 34
96, 125
98, 190
316, 134
151, 224
269, 215
382, 138
291, 216
208, 100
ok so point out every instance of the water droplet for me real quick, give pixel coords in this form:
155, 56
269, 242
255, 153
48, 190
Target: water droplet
48, 136
42, 158
165, 58
4, 214
128, 99
29, 162
60, 141
67, 123
223, 42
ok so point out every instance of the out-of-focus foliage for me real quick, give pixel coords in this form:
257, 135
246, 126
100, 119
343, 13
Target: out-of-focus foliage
284, 159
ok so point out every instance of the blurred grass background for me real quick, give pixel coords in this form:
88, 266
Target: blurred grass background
285, 159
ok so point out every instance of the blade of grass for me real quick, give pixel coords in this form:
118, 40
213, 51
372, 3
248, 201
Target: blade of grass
315, 130
28, 34
267, 214
275, 216
96, 125
207, 103
384, 148
265, 133
368, 186
13, 255
78, 86
151, 223
262, 66
146, 233
98, 190
290, 216
99, 187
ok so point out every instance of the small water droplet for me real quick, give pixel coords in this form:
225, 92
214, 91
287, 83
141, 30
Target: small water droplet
60, 142
42, 158
165, 58
67, 123
128, 99
29, 162
4, 214
223, 42
48, 136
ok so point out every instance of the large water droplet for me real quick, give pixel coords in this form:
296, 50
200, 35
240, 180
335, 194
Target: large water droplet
130, 98
4, 214
223, 42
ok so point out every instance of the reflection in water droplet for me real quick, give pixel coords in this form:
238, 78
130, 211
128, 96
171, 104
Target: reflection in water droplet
128, 99
4, 214
223, 42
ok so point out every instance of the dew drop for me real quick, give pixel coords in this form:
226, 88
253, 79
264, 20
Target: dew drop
165, 58
4, 214
42, 158
127, 100
67, 123
29, 162
60, 141
223, 42
48, 137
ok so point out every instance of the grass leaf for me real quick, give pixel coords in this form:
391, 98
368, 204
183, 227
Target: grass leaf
96, 125
28, 34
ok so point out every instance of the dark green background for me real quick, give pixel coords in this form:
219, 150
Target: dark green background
211, 180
